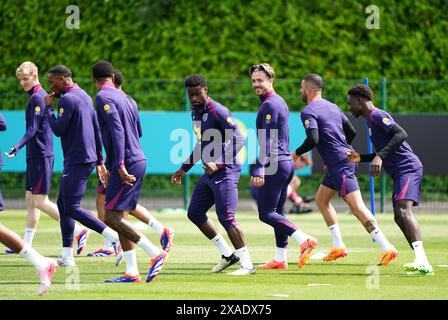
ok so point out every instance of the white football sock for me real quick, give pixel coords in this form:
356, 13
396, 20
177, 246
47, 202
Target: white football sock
222, 245
78, 229
336, 236
38, 261
381, 239
131, 262
300, 236
67, 252
243, 254
149, 248
110, 234
156, 225
281, 254
28, 236
419, 251
107, 243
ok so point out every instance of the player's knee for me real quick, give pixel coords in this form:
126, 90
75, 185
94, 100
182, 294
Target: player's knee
321, 202
401, 212
73, 210
264, 217
39, 201
227, 223
29, 200
111, 220
195, 218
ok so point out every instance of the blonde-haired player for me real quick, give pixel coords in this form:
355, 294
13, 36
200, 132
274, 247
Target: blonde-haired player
38, 139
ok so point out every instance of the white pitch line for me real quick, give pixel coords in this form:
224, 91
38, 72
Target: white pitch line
318, 284
278, 295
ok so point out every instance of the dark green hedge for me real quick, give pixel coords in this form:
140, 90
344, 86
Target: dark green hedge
168, 39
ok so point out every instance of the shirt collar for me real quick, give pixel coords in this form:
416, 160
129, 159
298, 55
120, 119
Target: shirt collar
36, 88
70, 88
267, 95
108, 85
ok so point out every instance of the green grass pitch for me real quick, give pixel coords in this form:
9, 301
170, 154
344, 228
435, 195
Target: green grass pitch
187, 273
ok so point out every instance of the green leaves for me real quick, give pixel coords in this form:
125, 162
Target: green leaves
170, 39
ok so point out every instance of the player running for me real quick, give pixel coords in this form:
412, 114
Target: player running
77, 125
399, 161
274, 168
44, 266
328, 129
38, 139
126, 163
219, 141
166, 234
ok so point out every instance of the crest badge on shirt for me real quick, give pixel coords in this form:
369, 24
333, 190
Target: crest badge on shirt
307, 123
268, 118
386, 121
107, 108
61, 112
230, 121
205, 117
37, 110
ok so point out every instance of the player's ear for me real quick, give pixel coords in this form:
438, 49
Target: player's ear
206, 90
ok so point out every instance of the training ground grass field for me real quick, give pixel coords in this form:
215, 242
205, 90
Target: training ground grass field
187, 272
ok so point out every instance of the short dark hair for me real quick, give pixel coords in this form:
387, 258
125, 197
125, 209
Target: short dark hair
61, 70
118, 80
361, 90
195, 80
314, 80
102, 69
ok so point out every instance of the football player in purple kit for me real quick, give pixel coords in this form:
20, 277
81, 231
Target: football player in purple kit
166, 234
38, 139
396, 156
44, 266
274, 168
119, 123
219, 141
328, 129
77, 125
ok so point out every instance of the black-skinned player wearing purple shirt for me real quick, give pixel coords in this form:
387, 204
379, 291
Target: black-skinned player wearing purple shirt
274, 168
77, 125
330, 131
219, 141
400, 162
126, 165
166, 234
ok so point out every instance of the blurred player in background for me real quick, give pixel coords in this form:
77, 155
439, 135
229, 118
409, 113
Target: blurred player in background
44, 266
38, 139
300, 203
77, 125
328, 129
217, 132
274, 168
400, 162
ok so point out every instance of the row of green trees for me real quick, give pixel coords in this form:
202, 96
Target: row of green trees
169, 39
